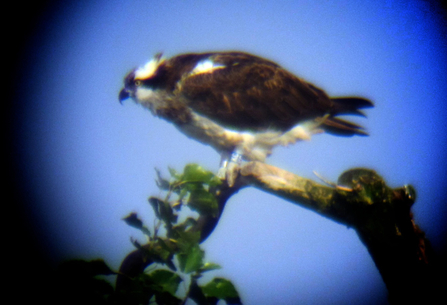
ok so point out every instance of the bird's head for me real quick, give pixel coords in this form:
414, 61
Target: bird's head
140, 82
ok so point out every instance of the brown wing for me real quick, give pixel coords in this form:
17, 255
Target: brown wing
248, 92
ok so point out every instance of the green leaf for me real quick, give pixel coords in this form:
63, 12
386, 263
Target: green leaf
173, 173
158, 251
188, 223
215, 181
182, 192
133, 221
203, 202
209, 267
167, 280
186, 239
191, 260
222, 289
163, 210
163, 245
192, 186
194, 172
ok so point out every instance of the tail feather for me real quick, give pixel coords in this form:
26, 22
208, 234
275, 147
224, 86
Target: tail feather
346, 105
341, 127
350, 105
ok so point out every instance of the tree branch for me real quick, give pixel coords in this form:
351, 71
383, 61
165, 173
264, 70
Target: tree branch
380, 215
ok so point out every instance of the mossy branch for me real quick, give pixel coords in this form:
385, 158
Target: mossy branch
380, 215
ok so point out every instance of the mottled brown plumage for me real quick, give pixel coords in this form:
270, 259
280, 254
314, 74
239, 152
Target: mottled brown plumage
238, 103
251, 93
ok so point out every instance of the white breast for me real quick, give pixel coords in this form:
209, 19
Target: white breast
252, 146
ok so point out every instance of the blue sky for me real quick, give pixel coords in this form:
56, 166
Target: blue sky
89, 161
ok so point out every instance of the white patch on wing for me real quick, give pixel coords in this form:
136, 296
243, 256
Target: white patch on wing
149, 68
206, 66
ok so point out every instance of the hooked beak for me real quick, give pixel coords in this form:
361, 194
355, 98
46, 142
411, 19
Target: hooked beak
124, 94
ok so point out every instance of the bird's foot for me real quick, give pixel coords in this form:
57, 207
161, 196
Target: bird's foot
229, 168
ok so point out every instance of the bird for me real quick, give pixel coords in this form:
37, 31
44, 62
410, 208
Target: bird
240, 104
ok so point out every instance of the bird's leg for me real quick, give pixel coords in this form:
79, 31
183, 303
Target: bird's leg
233, 167
224, 158
229, 166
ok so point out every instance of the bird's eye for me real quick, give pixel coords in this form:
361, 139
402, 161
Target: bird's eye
138, 83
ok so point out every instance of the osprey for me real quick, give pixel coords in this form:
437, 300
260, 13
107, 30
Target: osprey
240, 104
